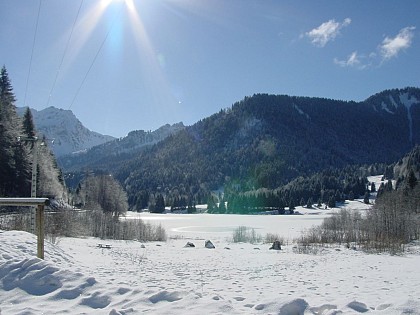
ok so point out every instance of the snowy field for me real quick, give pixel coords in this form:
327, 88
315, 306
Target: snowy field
78, 277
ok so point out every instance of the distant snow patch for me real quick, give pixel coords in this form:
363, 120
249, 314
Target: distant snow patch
385, 108
393, 102
408, 101
300, 111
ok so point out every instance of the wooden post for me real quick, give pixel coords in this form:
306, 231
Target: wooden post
40, 231
28, 202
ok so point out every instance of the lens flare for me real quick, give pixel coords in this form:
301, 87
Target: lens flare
152, 63
85, 27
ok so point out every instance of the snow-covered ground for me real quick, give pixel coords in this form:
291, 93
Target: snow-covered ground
78, 277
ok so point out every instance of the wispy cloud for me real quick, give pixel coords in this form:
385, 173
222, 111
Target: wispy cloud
353, 60
326, 32
391, 47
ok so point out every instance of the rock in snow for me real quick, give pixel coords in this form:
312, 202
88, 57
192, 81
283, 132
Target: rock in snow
209, 244
276, 245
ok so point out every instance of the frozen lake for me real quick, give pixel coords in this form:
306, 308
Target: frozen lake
221, 226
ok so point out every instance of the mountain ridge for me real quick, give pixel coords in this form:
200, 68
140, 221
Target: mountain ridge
104, 155
66, 129
262, 141
267, 140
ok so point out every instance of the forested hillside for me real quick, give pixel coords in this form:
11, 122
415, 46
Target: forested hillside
268, 140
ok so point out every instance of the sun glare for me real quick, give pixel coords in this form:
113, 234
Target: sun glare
150, 60
86, 26
130, 5
112, 18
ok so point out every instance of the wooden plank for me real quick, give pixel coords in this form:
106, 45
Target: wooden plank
40, 231
24, 202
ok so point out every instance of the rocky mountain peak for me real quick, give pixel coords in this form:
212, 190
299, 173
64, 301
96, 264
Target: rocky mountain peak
69, 133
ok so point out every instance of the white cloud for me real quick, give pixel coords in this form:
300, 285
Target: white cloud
391, 47
353, 60
326, 32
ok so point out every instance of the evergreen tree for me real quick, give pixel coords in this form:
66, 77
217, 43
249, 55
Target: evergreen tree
211, 204
388, 185
142, 200
14, 160
280, 203
6, 91
319, 204
412, 179
366, 197
28, 124
338, 197
222, 206
331, 202
381, 190
302, 202
160, 204
22, 174
372, 187
291, 205
309, 203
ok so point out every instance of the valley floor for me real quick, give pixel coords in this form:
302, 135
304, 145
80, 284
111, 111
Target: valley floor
78, 277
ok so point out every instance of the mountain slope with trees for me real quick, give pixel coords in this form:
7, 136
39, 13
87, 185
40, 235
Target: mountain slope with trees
265, 141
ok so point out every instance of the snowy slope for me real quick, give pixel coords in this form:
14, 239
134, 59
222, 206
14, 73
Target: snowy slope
63, 126
78, 277
403, 102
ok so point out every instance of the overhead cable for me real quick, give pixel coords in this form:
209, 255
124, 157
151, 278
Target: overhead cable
64, 54
32, 53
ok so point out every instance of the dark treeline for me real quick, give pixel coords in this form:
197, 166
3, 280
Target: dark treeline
327, 187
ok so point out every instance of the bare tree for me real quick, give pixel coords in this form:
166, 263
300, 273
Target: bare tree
104, 193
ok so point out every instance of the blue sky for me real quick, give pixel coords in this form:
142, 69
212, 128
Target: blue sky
123, 65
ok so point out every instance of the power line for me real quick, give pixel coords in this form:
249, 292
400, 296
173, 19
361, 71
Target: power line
94, 59
32, 52
64, 54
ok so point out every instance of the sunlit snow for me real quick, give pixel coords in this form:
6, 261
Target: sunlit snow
78, 277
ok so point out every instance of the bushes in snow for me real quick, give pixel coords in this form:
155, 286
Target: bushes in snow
88, 223
243, 234
390, 224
